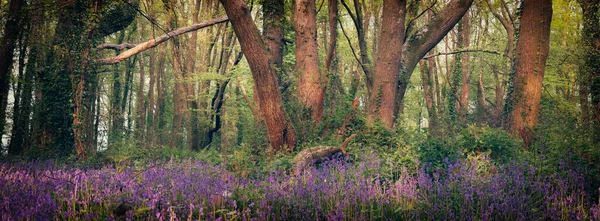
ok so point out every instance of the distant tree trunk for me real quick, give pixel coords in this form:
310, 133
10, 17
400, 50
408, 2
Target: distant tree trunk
141, 106
194, 124
532, 51
22, 103
159, 117
311, 83
116, 113
10, 34
466, 69
179, 95
506, 18
151, 128
482, 110
387, 67
281, 134
365, 61
333, 13
428, 84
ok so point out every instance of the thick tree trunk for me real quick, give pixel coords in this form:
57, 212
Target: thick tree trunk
10, 34
281, 134
387, 67
274, 18
311, 83
531, 53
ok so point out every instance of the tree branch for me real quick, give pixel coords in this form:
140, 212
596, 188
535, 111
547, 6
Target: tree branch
350, 44
460, 51
116, 46
154, 42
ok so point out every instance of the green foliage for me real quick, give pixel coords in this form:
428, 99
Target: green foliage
472, 141
436, 152
502, 147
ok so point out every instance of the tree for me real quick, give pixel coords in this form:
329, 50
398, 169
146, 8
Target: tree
532, 49
311, 83
382, 101
414, 47
281, 134
10, 33
80, 25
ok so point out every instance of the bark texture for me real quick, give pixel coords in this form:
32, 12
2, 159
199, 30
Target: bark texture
533, 45
311, 83
387, 67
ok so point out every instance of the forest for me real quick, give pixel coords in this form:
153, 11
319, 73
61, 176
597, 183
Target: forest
300, 110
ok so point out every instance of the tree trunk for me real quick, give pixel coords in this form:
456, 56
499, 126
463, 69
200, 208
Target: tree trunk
590, 72
426, 80
311, 83
466, 69
141, 107
531, 53
11, 31
387, 67
281, 134
22, 103
365, 61
417, 46
333, 13
274, 18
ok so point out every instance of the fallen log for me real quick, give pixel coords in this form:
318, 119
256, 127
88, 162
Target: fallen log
317, 154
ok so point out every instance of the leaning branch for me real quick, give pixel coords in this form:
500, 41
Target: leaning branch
154, 42
116, 46
461, 51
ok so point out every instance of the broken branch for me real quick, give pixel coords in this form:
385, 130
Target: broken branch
461, 51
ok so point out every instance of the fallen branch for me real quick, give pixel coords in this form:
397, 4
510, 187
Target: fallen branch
115, 46
316, 154
461, 51
154, 42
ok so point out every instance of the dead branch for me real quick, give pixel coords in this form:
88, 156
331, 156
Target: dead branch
115, 46
461, 51
154, 42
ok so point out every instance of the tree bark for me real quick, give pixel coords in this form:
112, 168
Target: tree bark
281, 134
311, 83
426, 80
333, 14
382, 102
533, 45
419, 44
466, 69
274, 18
141, 107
